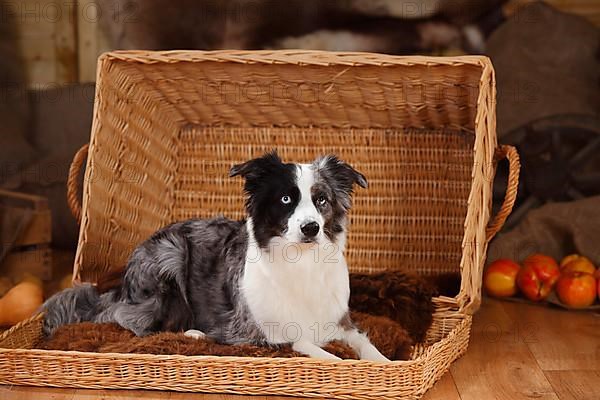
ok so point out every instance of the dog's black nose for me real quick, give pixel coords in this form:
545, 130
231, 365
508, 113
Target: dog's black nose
310, 229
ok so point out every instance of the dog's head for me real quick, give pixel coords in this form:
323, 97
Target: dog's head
300, 203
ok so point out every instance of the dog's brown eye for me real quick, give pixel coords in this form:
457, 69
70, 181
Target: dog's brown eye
322, 200
286, 199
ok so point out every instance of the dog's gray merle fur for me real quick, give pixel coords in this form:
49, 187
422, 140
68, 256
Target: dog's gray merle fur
175, 281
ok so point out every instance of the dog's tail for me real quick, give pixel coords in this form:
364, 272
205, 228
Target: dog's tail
72, 305
166, 310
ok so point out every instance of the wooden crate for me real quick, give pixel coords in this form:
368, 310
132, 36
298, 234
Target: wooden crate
30, 252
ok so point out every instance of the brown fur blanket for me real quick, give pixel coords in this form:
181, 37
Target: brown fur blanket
393, 308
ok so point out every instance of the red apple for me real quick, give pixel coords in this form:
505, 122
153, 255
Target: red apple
576, 289
576, 262
500, 278
538, 276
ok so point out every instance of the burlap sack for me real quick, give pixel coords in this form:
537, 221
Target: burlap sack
555, 229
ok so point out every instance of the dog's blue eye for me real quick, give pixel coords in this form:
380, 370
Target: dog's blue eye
322, 200
286, 199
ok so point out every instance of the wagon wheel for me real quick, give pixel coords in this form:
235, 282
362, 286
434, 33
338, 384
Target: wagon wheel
560, 161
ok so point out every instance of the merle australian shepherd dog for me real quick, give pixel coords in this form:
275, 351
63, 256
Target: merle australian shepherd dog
279, 276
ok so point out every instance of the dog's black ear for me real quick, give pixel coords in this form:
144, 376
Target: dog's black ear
358, 177
256, 167
240, 169
341, 172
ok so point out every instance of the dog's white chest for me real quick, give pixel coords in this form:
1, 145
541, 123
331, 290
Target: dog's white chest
297, 300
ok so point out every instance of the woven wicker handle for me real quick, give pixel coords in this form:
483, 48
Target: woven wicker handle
72, 182
471, 279
510, 153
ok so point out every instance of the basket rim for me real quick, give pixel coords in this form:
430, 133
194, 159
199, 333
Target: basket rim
292, 56
209, 358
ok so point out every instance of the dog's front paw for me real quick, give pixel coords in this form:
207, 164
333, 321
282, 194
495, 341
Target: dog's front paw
312, 350
195, 334
327, 356
372, 354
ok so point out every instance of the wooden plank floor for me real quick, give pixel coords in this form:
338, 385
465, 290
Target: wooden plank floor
517, 351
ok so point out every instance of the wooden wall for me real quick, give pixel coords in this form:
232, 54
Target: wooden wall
91, 41
61, 39
48, 39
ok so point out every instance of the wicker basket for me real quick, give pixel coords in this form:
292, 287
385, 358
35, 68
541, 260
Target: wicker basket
167, 127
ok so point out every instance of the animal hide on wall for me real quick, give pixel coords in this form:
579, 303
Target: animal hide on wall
390, 26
